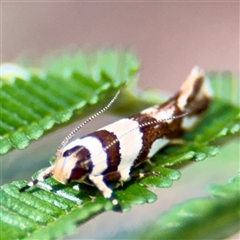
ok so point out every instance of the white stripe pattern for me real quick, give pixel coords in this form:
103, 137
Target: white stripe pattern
165, 113
157, 144
130, 143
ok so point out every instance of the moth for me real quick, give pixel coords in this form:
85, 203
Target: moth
110, 153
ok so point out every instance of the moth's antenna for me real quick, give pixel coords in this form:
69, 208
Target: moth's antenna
71, 134
161, 120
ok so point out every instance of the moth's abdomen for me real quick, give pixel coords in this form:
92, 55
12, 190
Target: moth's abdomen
154, 137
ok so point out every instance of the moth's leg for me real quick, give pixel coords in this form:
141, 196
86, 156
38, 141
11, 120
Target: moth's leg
87, 182
99, 182
144, 174
146, 160
47, 173
116, 176
112, 177
176, 141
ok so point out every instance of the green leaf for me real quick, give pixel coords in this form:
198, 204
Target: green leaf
69, 207
63, 208
37, 209
213, 217
33, 103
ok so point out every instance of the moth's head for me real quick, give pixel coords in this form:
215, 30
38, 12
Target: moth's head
72, 163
